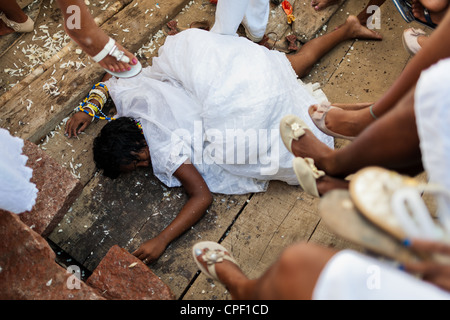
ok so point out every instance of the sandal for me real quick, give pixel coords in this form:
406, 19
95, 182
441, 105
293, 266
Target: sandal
341, 216
291, 128
409, 39
26, 26
307, 175
404, 7
111, 49
318, 117
211, 253
394, 203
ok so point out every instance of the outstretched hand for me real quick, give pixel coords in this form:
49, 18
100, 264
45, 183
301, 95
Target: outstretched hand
432, 271
77, 124
150, 250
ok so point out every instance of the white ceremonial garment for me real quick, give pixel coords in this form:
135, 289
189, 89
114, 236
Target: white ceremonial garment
432, 101
350, 275
217, 101
17, 193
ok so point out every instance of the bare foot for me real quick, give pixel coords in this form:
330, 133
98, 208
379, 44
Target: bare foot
358, 31
322, 4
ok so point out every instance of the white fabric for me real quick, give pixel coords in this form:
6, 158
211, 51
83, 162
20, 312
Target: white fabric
254, 14
201, 89
352, 276
17, 193
432, 101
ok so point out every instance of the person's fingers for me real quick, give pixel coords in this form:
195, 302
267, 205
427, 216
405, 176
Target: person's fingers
430, 246
83, 126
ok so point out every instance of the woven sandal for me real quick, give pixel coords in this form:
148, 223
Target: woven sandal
394, 203
211, 253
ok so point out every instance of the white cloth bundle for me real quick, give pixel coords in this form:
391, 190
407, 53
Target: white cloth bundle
17, 193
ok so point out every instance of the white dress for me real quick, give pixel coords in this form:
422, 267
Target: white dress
217, 101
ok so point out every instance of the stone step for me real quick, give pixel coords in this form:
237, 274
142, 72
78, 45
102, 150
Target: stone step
28, 270
122, 276
58, 189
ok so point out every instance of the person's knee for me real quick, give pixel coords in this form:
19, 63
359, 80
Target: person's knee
295, 258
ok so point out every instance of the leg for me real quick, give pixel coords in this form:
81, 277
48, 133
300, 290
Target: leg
229, 15
435, 48
391, 142
256, 18
90, 37
314, 50
292, 276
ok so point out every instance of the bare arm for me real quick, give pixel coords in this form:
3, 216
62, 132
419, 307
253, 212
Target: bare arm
436, 48
200, 199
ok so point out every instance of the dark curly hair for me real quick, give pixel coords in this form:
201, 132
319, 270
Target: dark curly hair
117, 144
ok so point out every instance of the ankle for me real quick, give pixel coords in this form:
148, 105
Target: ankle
19, 17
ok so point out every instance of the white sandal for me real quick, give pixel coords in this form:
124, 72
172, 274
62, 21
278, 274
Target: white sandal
307, 175
410, 40
291, 128
394, 203
111, 49
26, 26
211, 253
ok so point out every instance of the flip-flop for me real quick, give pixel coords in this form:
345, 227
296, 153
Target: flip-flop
307, 175
394, 203
318, 117
112, 50
410, 40
404, 7
291, 128
211, 253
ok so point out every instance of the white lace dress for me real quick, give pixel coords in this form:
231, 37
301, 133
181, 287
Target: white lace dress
217, 101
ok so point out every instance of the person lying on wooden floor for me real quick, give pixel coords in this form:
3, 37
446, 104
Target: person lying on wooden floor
206, 116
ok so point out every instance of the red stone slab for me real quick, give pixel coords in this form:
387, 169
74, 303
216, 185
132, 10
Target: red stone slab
28, 270
58, 189
122, 276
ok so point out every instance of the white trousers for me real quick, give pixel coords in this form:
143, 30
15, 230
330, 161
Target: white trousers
253, 14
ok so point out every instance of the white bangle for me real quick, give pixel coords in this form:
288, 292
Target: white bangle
105, 51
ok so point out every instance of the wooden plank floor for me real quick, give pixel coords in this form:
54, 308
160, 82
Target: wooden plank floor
135, 207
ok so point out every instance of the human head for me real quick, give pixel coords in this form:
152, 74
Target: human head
118, 145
